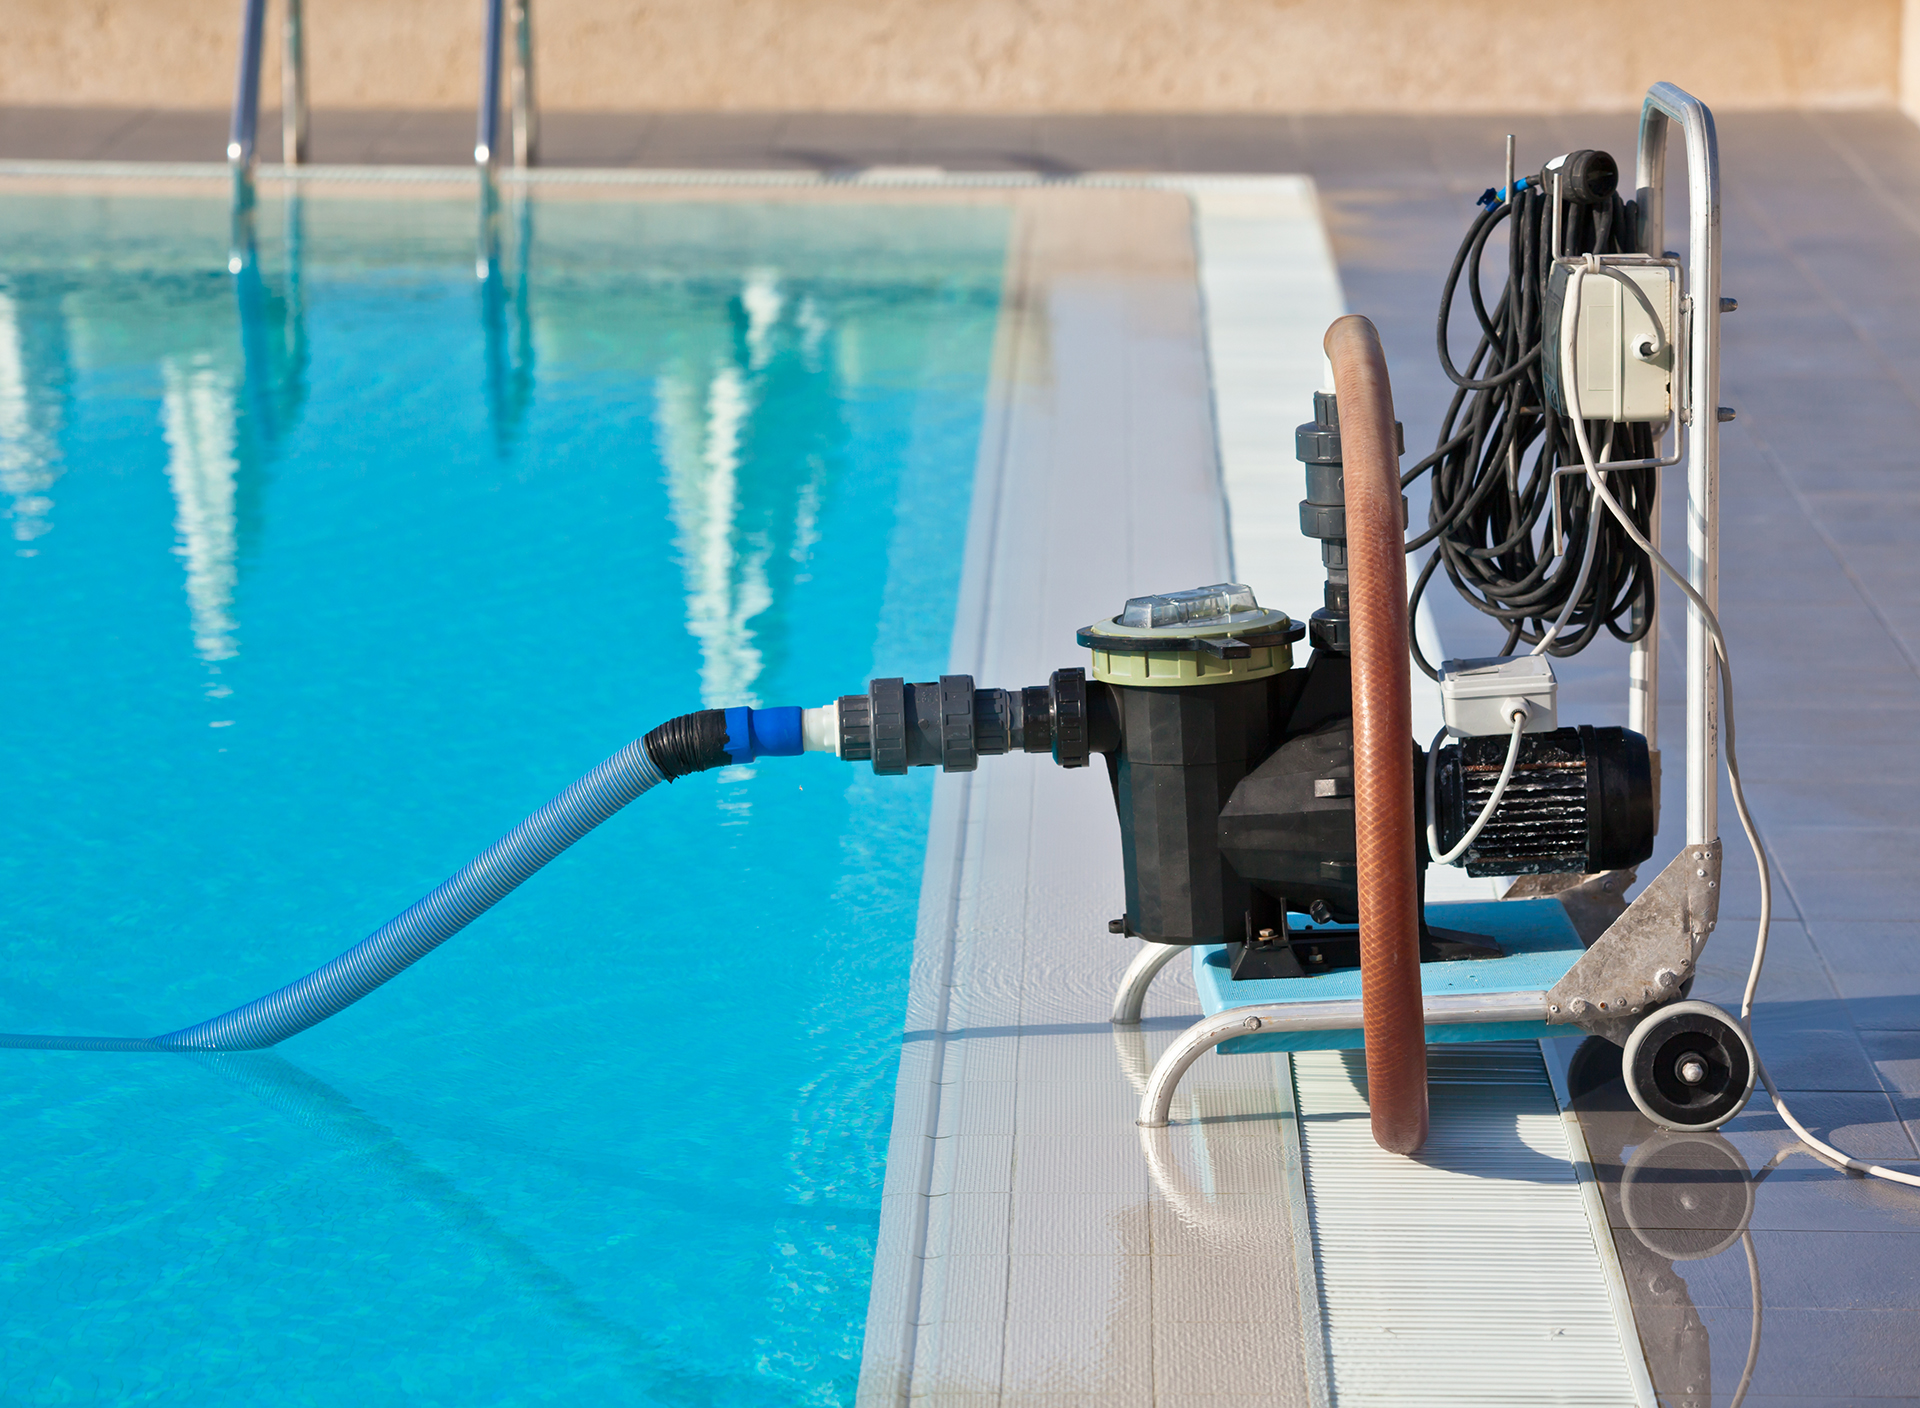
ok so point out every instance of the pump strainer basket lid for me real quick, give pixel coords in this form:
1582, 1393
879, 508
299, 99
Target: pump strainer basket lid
1222, 620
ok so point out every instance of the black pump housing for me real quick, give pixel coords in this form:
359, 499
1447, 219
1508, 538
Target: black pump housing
1235, 796
1181, 753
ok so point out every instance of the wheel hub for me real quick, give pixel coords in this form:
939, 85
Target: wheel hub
1688, 1066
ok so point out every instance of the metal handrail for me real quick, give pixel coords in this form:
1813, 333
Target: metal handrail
243, 132
293, 85
246, 91
525, 118
486, 142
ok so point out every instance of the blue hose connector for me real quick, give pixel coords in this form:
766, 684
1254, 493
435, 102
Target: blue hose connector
764, 733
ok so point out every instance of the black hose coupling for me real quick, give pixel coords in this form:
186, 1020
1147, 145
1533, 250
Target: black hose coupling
896, 725
689, 744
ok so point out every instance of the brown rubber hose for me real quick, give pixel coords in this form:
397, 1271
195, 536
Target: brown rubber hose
1382, 741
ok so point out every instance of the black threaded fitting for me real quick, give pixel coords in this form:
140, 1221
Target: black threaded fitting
951, 723
691, 743
1323, 515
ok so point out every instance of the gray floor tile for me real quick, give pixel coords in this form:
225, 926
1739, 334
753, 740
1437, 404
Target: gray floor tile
1237, 143
348, 138
1119, 142
1848, 1356
1860, 1123
840, 142
1907, 1107
1813, 1270
715, 139
64, 134
168, 136
427, 138
1887, 804
1890, 949
1896, 1056
1898, 1012
1794, 970
593, 138
1827, 895
968, 142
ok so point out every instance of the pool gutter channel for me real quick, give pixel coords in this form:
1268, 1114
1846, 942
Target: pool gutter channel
893, 1319
535, 178
963, 1208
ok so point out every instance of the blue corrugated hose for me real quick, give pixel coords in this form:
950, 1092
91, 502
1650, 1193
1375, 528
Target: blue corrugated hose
691, 743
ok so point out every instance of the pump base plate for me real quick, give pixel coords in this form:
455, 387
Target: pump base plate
1541, 945
1327, 949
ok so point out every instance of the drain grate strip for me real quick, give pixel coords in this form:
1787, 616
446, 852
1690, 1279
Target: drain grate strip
1467, 1275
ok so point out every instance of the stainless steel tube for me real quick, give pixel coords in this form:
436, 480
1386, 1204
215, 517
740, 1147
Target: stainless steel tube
246, 89
1139, 976
1699, 396
1343, 1014
293, 85
526, 115
486, 144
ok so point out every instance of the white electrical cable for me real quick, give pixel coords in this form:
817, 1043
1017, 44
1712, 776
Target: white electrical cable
1568, 383
1486, 812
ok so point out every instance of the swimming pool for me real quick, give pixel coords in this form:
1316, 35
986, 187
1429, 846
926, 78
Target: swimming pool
320, 571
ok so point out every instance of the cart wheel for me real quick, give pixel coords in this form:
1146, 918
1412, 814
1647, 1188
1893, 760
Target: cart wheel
1689, 1066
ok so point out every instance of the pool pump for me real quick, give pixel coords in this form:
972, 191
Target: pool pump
1232, 769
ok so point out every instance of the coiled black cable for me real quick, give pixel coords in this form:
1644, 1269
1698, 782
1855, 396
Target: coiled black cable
1491, 518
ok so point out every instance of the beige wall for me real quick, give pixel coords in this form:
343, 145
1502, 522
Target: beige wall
995, 55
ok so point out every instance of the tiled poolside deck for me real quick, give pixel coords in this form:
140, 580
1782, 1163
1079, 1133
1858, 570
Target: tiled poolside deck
1820, 590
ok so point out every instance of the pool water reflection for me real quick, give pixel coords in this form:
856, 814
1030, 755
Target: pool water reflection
324, 569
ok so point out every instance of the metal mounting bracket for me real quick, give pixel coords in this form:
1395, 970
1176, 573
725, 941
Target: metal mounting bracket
1648, 952
1593, 902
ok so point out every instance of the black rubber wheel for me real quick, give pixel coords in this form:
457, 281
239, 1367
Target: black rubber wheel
1689, 1066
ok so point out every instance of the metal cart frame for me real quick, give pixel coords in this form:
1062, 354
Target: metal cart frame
1647, 955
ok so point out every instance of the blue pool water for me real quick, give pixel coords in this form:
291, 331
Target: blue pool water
319, 575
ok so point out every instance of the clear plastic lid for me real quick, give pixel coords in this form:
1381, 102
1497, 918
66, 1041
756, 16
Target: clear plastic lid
1224, 604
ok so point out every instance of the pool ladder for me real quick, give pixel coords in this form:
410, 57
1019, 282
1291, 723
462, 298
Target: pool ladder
244, 131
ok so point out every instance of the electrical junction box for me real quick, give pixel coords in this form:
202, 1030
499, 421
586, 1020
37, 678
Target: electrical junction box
1623, 348
1478, 697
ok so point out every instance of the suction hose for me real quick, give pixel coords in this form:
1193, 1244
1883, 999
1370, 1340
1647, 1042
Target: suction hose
1392, 1013
691, 743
